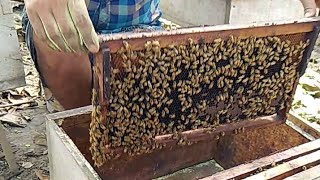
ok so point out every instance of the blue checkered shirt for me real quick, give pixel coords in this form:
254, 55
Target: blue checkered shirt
110, 16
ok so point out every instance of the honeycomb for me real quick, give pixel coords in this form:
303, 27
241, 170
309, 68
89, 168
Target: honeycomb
169, 90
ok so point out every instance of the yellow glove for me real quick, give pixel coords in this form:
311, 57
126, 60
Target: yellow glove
64, 24
309, 8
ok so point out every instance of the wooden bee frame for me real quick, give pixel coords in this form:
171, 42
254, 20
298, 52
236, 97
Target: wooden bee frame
113, 42
307, 28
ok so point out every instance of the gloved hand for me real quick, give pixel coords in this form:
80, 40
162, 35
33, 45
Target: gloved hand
64, 24
309, 8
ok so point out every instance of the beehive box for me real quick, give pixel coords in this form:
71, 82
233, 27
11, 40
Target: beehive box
70, 158
253, 98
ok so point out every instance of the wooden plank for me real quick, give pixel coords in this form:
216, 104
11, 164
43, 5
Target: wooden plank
7, 150
205, 134
299, 130
311, 128
208, 34
77, 112
194, 172
312, 173
245, 169
288, 168
65, 160
76, 124
70, 113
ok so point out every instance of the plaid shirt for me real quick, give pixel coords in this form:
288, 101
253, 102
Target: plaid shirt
110, 16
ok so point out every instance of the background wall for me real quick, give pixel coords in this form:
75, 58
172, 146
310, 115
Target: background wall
214, 12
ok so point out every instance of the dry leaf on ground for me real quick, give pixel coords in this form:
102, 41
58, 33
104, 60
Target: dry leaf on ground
14, 120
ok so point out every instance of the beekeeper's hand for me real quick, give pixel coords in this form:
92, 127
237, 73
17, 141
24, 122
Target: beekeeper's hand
309, 8
64, 25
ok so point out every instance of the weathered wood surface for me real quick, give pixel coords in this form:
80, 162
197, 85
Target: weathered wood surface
225, 129
163, 161
299, 130
194, 172
244, 170
309, 127
7, 150
312, 173
289, 168
208, 34
11, 68
238, 149
229, 150
65, 160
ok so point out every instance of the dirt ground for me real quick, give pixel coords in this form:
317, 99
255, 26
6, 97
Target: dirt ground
28, 140
27, 132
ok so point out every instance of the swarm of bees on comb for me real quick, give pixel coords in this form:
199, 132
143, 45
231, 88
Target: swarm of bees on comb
168, 90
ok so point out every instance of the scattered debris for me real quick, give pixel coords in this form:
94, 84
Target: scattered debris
7, 151
310, 117
27, 118
307, 98
14, 120
41, 176
17, 131
310, 87
11, 175
32, 102
40, 140
32, 153
27, 165
21, 138
316, 94
298, 104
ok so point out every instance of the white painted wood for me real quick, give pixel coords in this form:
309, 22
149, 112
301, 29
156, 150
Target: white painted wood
65, 160
11, 68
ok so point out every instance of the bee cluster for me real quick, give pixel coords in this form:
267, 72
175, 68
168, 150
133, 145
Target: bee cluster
158, 91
